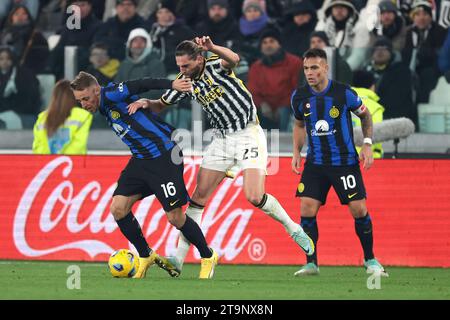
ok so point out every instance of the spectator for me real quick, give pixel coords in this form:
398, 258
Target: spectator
423, 40
393, 26
342, 72
301, 21
364, 85
63, 128
444, 58
141, 61
220, 25
82, 38
19, 89
251, 25
343, 31
28, 43
271, 81
393, 82
52, 16
102, 66
115, 30
167, 32
31, 5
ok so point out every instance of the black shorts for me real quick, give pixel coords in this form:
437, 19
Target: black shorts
346, 180
160, 176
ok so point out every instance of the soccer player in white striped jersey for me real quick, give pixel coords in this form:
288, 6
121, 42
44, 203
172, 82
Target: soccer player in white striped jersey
240, 139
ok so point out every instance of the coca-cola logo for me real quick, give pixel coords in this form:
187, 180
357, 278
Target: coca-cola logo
92, 234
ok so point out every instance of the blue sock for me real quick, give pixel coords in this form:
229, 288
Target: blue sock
309, 225
132, 231
363, 227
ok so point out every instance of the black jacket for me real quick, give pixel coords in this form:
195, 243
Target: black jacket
27, 100
223, 33
397, 99
115, 34
82, 38
19, 37
166, 41
428, 47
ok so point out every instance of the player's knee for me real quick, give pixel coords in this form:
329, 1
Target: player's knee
176, 219
118, 211
358, 209
200, 195
254, 197
308, 209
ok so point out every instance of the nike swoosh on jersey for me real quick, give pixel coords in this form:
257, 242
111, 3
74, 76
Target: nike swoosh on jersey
352, 195
173, 203
307, 114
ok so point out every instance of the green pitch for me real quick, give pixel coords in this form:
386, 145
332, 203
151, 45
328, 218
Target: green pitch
49, 280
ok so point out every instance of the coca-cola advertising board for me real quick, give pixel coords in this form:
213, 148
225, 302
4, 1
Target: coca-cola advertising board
57, 208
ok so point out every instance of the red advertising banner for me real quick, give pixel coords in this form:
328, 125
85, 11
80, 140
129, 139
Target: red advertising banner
57, 208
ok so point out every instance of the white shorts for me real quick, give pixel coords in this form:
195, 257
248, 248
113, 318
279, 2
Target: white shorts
246, 149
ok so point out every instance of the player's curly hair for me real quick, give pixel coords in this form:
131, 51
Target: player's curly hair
188, 47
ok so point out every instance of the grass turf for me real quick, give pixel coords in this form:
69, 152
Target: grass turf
48, 280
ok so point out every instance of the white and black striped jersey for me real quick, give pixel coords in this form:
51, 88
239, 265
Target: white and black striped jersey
226, 100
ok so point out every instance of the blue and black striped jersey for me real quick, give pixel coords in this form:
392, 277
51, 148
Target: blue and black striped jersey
328, 122
144, 132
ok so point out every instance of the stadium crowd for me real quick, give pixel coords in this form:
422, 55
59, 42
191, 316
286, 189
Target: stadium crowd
405, 50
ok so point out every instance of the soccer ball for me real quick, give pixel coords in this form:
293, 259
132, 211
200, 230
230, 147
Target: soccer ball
123, 263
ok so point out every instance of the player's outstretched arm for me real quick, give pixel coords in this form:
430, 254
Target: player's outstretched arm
230, 59
154, 105
298, 140
146, 84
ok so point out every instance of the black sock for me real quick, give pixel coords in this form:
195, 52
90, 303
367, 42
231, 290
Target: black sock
363, 227
132, 231
309, 225
192, 232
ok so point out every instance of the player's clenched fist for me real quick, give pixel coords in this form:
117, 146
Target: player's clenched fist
183, 85
205, 42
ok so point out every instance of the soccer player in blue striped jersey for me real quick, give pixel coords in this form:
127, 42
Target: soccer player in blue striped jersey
156, 166
322, 112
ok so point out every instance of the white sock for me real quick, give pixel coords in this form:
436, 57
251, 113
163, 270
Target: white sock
183, 244
274, 209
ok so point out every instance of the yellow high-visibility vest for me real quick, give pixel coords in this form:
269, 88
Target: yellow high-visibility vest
370, 100
70, 138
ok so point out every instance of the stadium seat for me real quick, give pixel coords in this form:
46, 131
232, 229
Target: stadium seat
46, 84
440, 95
11, 120
434, 118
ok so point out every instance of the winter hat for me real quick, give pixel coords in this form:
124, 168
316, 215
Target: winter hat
135, 2
346, 3
383, 42
270, 33
257, 4
322, 35
139, 32
169, 5
419, 5
303, 6
221, 3
387, 6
